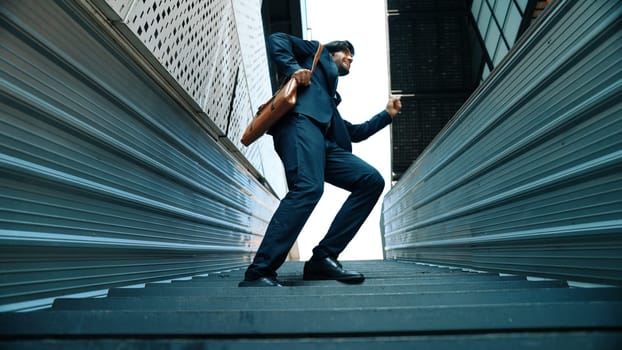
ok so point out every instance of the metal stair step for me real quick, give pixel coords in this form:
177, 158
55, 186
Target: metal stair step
376, 265
369, 274
334, 288
323, 287
571, 340
585, 315
371, 269
379, 266
297, 280
289, 302
317, 291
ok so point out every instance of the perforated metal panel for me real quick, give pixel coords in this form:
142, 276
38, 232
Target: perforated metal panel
215, 51
196, 42
527, 177
120, 7
253, 48
106, 176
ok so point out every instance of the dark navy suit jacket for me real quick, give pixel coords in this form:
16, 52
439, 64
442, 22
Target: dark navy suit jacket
319, 100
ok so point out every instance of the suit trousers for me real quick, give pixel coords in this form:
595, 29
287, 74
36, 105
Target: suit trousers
311, 158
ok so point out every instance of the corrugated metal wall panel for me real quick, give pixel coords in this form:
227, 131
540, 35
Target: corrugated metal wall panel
527, 177
105, 179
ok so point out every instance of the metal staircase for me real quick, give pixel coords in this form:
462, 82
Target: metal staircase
115, 171
401, 305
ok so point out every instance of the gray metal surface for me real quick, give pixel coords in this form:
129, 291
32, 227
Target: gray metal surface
534, 340
105, 179
481, 314
527, 176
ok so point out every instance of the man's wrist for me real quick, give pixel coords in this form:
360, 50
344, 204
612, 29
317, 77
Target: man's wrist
386, 114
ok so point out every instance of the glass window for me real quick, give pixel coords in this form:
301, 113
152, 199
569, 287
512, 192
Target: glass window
483, 20
475, 8
485, 73
522, 4
500, 52
512, 24
501, 10
491, 3
492, 38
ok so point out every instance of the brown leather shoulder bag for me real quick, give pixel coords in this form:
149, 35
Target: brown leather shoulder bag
283, 100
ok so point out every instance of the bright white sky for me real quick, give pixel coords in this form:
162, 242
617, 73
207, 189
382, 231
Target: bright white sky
365, 92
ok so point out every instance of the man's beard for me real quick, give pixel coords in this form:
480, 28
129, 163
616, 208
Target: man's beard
342, 71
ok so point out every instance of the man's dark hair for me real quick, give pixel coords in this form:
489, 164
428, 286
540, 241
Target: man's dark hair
339, 45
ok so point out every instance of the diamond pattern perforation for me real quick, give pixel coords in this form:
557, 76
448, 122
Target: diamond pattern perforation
215, 49
196, 42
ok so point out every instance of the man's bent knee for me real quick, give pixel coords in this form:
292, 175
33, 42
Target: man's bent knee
374, 182
311, 191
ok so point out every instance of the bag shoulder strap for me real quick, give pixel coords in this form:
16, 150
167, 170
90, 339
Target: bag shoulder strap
317, 57
315, 60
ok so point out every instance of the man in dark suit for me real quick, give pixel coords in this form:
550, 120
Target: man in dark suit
314, 144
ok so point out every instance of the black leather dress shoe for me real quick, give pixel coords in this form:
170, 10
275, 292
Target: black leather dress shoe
330, 269
260, 282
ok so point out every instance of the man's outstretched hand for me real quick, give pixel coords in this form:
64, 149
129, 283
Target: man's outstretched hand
394, 105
